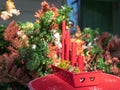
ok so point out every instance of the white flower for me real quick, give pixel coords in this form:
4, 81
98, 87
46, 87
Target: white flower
71, 69
90, 44
14, 11
24, 37
57, 35
33, 46
59, 45
31, 37
19, 33
5, 15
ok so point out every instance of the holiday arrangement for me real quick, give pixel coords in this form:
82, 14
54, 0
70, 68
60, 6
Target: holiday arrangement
28, 50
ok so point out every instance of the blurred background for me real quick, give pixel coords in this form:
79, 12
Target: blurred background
102, 14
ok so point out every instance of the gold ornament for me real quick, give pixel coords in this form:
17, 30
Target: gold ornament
10, 5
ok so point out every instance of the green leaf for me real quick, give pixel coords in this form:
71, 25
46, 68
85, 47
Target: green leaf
101, 65
96, 49
34, 63
118, 65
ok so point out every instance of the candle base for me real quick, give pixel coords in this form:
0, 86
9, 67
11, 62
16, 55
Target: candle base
78, 80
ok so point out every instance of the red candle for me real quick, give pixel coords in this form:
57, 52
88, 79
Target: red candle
63, 38
81, 62
67, 45
73, 53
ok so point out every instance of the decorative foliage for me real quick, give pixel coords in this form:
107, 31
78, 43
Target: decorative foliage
101, 65
28, 49
51, 17
3, 42
31, 48
10, 71
101, 51
66, 65
41, 39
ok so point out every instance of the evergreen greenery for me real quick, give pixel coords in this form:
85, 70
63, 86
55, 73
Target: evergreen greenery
3, 42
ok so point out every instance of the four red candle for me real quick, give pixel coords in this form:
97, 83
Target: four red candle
73, 53
66, 48
81, 62
63, 39
67, 45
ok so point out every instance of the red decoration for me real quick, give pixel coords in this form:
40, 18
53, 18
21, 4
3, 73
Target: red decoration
63, 39
81, 62
79, 79
73, 53
67, 56
70, 81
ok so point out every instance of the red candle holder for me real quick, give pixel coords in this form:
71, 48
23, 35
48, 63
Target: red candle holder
77, 80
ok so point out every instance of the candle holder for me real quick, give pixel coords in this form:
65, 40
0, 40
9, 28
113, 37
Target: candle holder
77, 80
